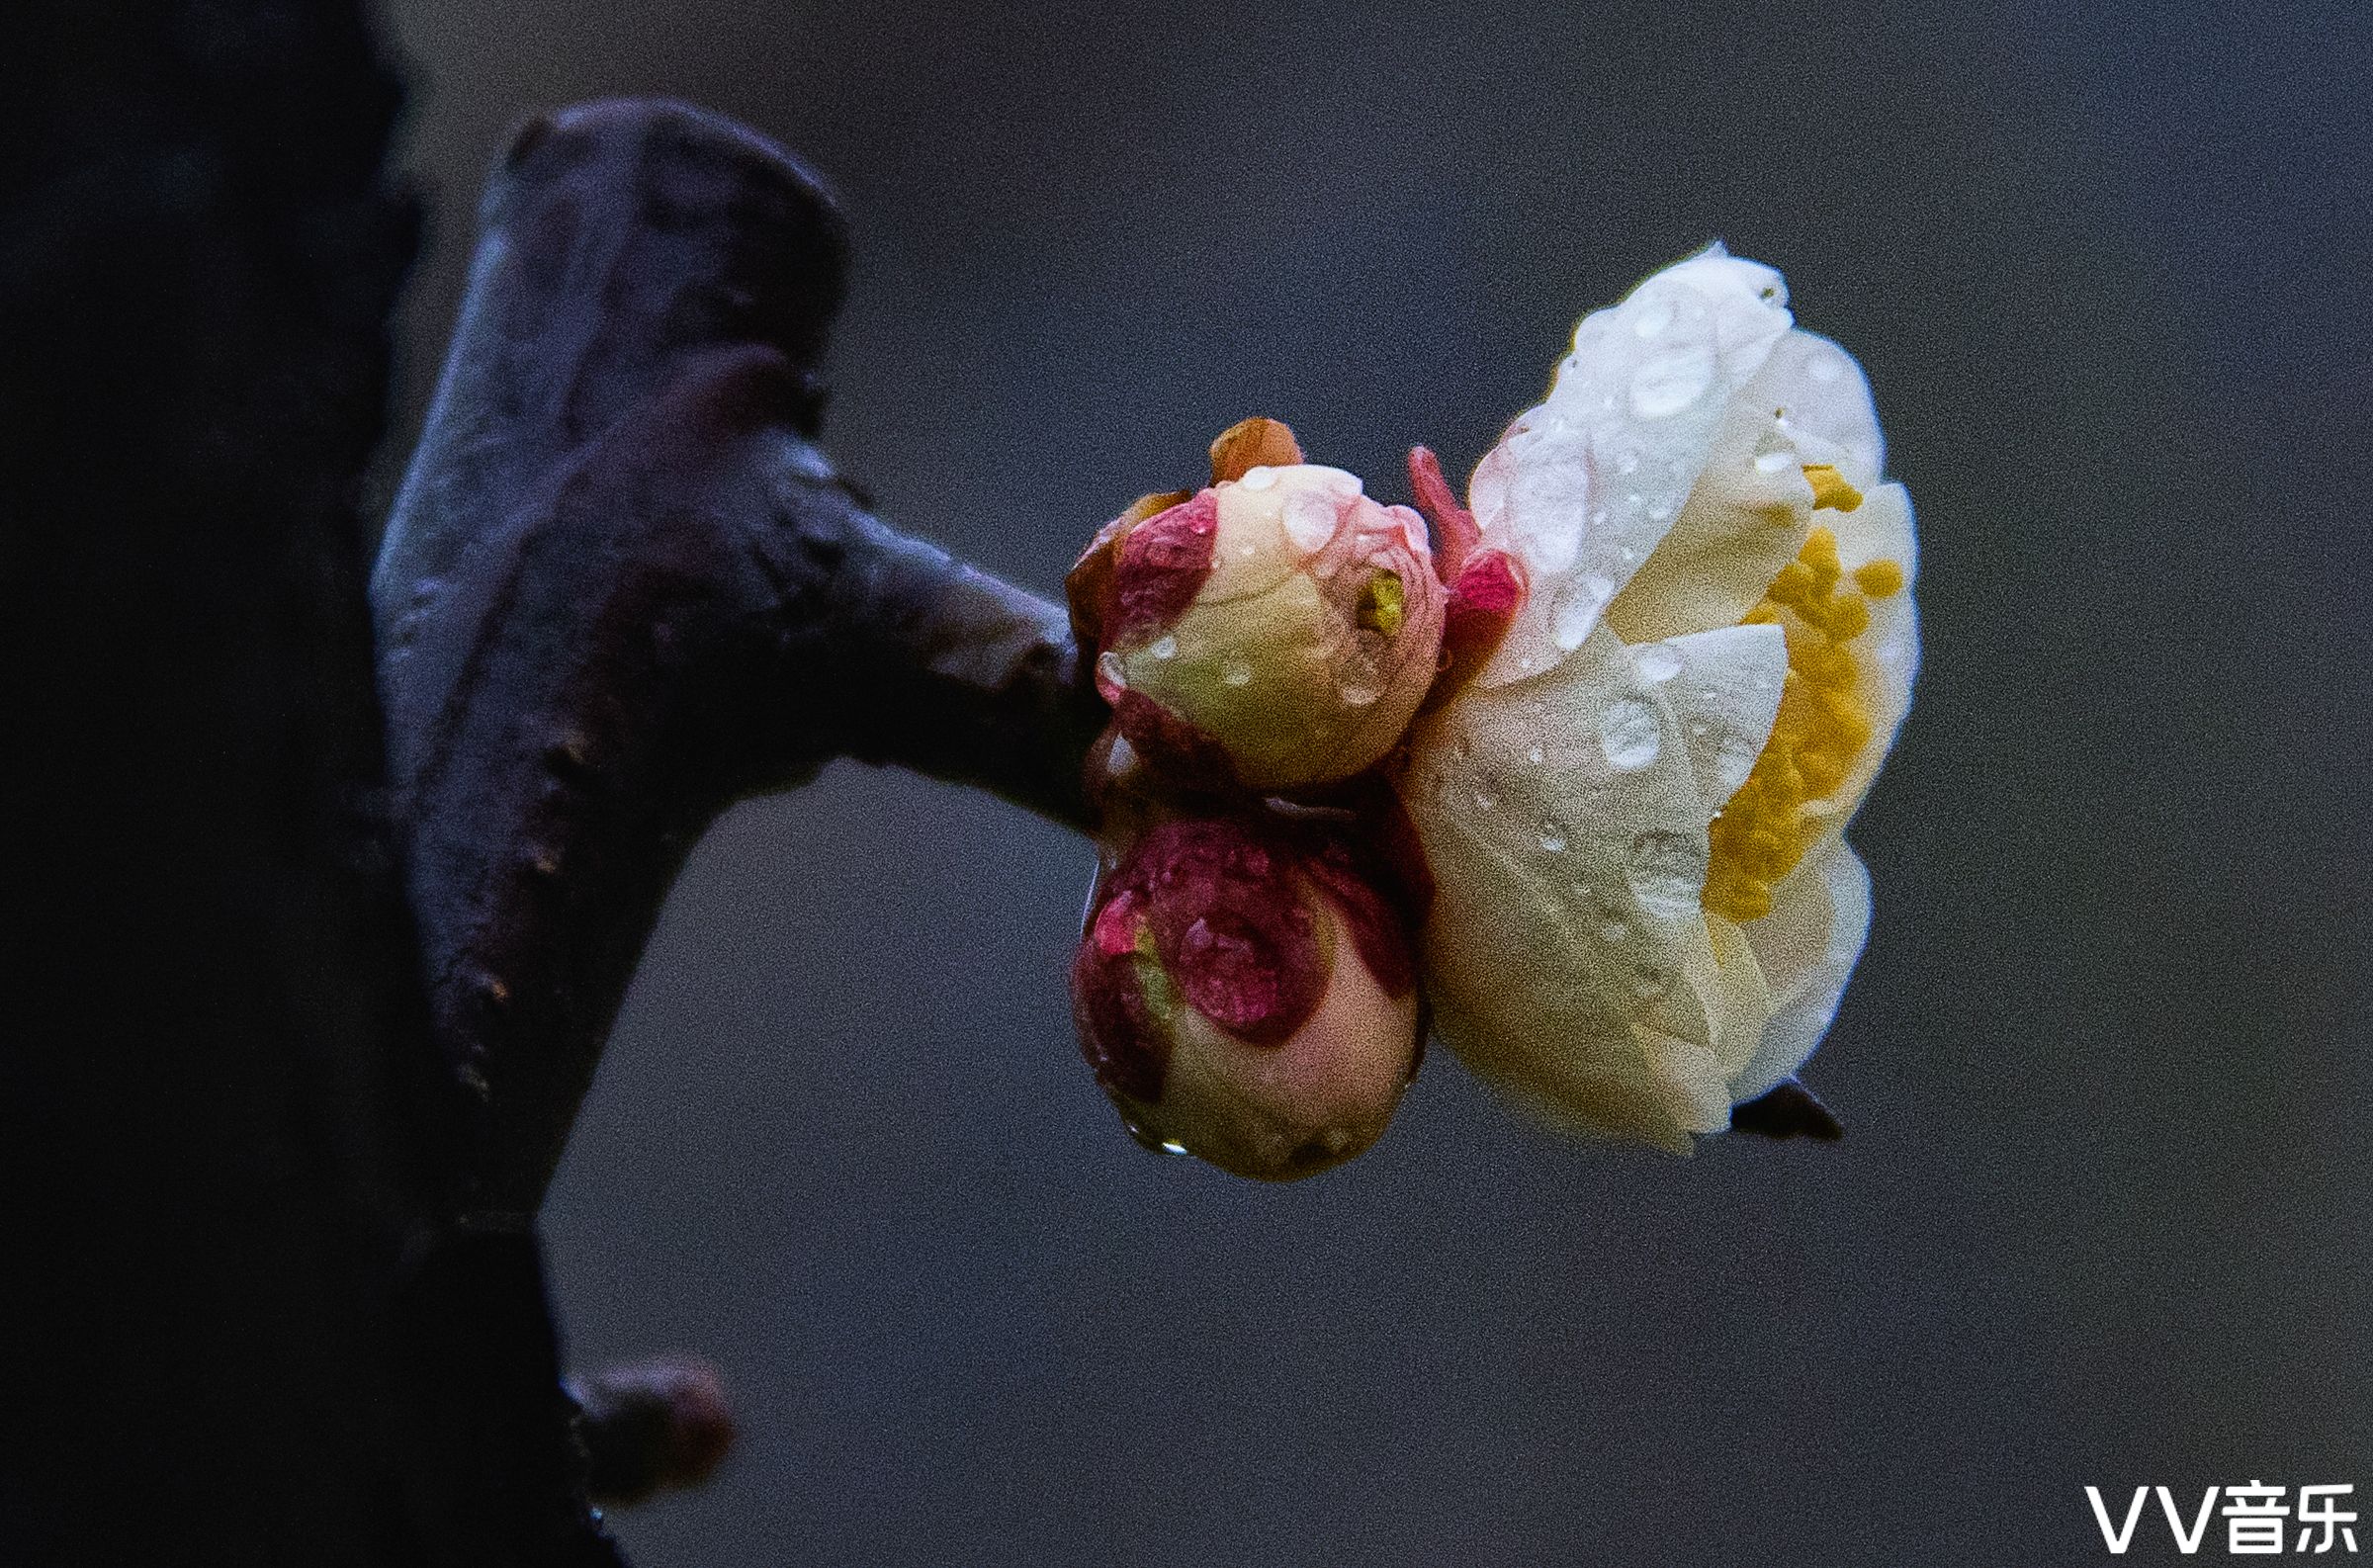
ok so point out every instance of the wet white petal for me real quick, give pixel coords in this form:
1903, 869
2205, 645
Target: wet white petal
1745, 519
1566, 952
1737, 995
1824, 402
1583, 488
1807, 947
1725, 695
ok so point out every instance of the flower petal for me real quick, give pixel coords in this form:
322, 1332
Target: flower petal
1824, 398
1566, 954
1807, 947
1737, 997
1746, 518
1724, 687
1583, 488
1751, 507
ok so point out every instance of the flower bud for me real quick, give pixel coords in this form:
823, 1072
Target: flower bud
1244, 994
1279, 619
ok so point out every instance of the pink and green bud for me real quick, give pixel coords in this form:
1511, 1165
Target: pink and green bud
1246, 993
1278, 626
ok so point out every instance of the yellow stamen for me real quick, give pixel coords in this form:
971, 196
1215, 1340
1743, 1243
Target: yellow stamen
1823, 725
1383, 604
1829, 488
1153, 981
1879, 578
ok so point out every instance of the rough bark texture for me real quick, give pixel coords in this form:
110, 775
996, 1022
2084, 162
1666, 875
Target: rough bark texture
622, 589
242, 1330
285, 1299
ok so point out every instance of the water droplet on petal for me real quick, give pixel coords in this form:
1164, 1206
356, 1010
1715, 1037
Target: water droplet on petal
1666, 871
1258, 479
1153, 1142
1235, 671
1657, 662
1355, 696
1108, 665
1630, 734
1534, 756
1576, 609
1670, 382
1163, 648
1309, 518
1553, 836
1651, 321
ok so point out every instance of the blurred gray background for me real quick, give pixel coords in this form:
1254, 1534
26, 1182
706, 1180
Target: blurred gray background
2101, 1214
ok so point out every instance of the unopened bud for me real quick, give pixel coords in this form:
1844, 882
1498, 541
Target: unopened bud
1282, 618
1248, 996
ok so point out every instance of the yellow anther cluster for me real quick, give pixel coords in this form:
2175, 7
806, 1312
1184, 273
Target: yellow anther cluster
1765, 828
1383, 604
1829, 488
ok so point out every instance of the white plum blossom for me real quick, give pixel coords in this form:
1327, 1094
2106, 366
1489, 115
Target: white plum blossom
1634, 811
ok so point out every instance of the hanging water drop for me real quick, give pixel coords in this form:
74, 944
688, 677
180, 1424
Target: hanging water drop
1576, 609
1670, 382
1630, 734
1666, 871
1309, 517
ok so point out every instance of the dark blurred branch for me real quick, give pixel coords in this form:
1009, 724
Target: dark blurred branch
1789, 1110
245, 1329
652, 1427
622, 589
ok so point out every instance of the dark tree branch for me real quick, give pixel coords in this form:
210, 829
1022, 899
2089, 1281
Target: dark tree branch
622, 589
652, 1427
245, 1331
1789, 1110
